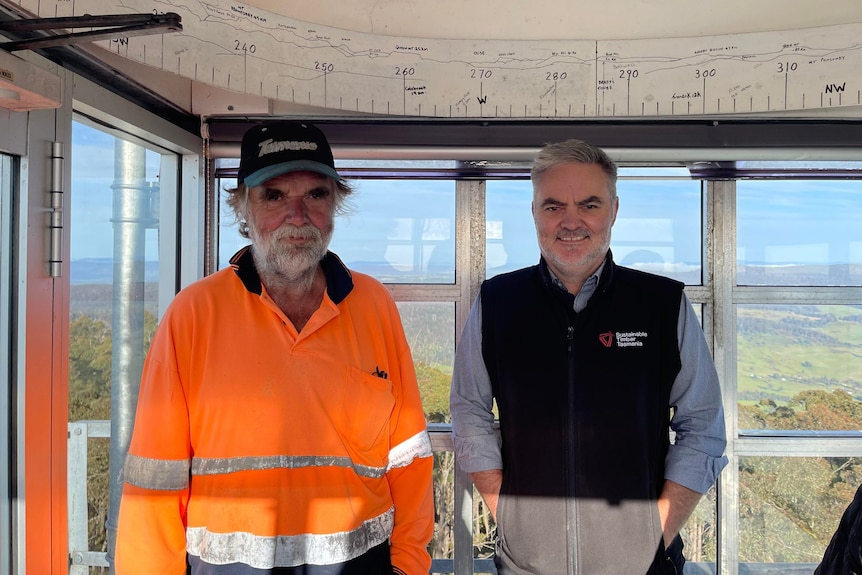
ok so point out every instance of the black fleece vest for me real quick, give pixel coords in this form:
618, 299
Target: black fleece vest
583, 406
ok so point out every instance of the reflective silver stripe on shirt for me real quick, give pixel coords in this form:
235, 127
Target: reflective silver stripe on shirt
159, 474
220, 465
263, 552
405, 452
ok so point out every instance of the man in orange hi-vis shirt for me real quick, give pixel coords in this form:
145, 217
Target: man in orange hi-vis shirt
279, 428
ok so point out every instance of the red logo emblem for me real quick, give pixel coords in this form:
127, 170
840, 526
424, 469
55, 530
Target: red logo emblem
607, 338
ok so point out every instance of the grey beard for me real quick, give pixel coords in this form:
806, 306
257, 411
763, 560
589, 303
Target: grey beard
292, 264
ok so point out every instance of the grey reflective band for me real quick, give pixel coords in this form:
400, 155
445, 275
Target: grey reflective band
172, 475
413, 448
157, 474
263, 552
220, 465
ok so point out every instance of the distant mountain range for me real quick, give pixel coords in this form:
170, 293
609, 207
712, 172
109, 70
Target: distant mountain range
89, 271
101, 271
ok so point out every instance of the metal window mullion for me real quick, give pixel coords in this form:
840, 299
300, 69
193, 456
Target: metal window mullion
168, 226
425, 292
211, 204
721, 246
7, 256
79, 433
702, 295
470, 245
819, 447
469, 273
798, 295
77, 494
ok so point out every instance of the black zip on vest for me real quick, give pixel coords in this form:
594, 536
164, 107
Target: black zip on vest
571, 415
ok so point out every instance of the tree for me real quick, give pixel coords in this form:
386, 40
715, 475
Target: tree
434, 388
90, 349
790, 506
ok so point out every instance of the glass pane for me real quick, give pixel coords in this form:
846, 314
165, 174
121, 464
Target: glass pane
399, 231
510, 235
229, 240
430, 331
798, 367
6, 181
698, 311
484, 528
700, 531
114, 305
789, 508
442, 544
658, 227
803, 233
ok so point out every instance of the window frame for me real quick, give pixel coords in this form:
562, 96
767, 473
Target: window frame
718, 297
8, 179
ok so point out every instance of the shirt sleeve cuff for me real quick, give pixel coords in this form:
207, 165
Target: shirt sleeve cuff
693, 469
478, 452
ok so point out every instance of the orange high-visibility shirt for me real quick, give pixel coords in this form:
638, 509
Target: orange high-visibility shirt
258, 445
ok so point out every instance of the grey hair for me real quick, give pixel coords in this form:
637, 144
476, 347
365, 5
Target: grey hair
578, 152
237, 200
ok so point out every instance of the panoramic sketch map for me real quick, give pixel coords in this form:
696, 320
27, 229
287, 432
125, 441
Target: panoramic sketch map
240, 48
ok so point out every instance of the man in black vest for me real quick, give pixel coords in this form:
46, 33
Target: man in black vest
590, 364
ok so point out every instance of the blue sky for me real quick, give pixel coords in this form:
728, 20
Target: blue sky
403, 223
802, 221
92, 197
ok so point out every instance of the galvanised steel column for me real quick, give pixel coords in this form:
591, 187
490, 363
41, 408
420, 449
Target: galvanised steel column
131, 216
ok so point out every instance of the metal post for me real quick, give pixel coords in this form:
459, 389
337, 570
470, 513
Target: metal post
131, 217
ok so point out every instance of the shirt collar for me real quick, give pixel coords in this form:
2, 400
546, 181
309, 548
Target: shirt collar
579, 300
590, 283
339, 280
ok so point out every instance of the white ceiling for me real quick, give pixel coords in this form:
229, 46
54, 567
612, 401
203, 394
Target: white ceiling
509, 20
566, 19
499, 20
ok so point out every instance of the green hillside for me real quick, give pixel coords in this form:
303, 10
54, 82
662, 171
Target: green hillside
785, 350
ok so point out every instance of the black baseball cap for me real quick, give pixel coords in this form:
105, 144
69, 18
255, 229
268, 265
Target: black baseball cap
275, 148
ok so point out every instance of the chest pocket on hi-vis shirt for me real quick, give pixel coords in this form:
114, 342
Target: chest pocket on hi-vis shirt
367, 408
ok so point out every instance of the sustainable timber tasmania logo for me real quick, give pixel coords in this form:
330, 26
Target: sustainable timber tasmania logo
623, 338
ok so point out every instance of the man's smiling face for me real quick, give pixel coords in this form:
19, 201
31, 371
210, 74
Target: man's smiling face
573, 210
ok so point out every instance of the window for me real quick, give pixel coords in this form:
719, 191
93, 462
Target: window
510, 235
789, 507
123, 193
799, 367
400, 231
798, 326
659, 223
229, 240
658, 227
7, 165
430, 331
786, 314
797, 319
799, 232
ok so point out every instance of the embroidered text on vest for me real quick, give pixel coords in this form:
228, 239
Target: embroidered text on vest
631, 338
